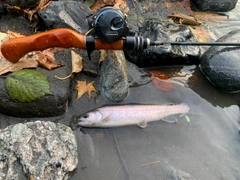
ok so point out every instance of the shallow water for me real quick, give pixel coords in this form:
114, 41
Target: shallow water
204, 147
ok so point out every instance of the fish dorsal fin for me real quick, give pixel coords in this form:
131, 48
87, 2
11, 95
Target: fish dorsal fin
106, 119
142, 124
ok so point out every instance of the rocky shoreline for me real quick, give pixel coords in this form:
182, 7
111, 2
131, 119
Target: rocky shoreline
44, 138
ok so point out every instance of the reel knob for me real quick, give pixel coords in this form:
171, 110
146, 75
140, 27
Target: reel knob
110, 24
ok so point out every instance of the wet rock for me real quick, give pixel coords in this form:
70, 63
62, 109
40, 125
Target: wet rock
68, 14
221, 64
37, 150
113, 77
156, 30
215, 5
48, 105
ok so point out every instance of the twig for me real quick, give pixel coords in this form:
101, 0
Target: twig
120, 157
117, 172
146, 164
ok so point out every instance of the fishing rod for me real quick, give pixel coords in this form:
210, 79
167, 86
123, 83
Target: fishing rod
108, 30
158, 43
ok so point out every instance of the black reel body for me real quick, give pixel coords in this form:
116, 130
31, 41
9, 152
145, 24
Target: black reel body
110, 24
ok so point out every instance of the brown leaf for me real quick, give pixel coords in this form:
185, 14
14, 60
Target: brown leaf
161, 80
82, 87
76, 62
184, 5
119, 4
13, 34
211, 17
46, 58
103, 55
28, 61
202, 34
42, 4
122, 5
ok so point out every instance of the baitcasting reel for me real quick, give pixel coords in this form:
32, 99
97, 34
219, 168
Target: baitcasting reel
109, 24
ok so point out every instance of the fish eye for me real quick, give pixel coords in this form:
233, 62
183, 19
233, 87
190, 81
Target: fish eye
85, 115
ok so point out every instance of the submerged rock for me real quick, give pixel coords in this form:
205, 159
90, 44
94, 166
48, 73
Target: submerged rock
221, 64
113, 77
215, 5
38, 150
156, 30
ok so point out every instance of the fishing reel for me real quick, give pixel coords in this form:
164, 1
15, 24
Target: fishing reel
109, 24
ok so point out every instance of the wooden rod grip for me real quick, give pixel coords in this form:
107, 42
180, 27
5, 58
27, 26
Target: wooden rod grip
14, 49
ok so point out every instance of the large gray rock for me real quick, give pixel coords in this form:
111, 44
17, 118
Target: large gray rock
221, 64
48, 105
69, 14
113, 77
215, 5
37, 150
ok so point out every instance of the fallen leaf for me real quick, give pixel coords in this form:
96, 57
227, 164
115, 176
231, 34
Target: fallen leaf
76, 65
46, 58
28, 61
207, 16
13, 34
161, 80
76, 62
158, 74
184, 5
27, 85
25, 62
122, 5
103, 55
3, 37
42, 4
202, 34
82, 87
119, 4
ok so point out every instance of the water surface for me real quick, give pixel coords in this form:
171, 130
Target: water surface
205, 146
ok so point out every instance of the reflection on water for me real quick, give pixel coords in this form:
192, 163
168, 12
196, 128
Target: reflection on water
232, 24
205, 147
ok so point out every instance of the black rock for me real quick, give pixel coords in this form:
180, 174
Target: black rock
156, 30
215, 5
221, 64
46, 106
66, 14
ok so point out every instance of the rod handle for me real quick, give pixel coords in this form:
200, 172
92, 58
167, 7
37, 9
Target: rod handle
14, 49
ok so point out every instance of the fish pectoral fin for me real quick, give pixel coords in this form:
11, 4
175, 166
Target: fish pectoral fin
142, 124
170, 121
106, 119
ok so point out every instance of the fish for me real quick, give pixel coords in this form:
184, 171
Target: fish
126, 115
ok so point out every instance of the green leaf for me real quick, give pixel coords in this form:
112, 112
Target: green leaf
27, 85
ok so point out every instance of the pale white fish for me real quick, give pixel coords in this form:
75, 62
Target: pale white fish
126, 115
